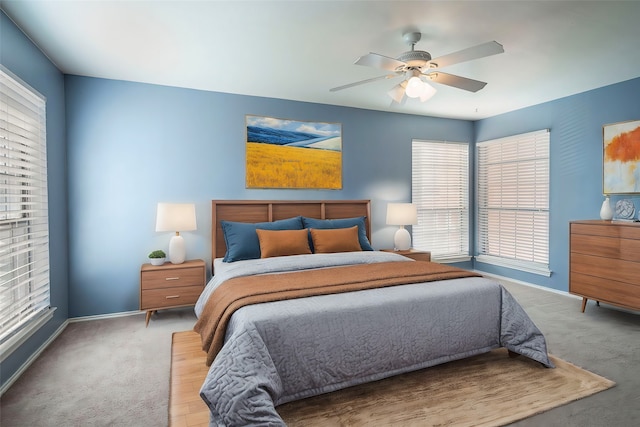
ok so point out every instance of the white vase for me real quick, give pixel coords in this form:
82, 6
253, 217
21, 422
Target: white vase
606, 213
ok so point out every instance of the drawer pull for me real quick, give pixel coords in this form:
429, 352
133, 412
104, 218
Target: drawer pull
172, 296
172, 278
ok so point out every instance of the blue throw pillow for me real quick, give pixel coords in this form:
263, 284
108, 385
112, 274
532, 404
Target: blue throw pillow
242, 240
341, 223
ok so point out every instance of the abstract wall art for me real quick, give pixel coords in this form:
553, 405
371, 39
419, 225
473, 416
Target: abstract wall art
621, 158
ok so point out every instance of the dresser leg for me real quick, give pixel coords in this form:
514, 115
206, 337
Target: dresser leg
150, 312
584, 303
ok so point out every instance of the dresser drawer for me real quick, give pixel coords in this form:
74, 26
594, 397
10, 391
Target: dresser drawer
169, 297
616, 229
172, 278
613, 292
605, 268
607, 247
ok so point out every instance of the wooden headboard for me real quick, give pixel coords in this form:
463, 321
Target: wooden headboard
272, 210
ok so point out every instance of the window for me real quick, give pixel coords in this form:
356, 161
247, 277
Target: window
24, 230
513, 202
440, 189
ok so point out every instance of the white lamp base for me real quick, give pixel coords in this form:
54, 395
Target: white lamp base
177, 250
402, 239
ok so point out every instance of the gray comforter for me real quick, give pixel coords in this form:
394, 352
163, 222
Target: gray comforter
282, 351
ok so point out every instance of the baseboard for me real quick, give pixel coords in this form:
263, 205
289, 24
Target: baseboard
531, 285
105, 316
33, 357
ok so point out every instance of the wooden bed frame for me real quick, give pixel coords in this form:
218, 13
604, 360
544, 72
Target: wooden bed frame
272, 210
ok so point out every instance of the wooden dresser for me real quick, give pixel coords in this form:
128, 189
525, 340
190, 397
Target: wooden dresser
604, 262
170, 285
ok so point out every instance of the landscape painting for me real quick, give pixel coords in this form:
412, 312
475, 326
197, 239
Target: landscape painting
621, 158
292, 154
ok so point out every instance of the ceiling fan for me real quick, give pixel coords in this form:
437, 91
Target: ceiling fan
417, 66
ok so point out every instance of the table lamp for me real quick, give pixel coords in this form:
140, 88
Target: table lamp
402, 214
176, 217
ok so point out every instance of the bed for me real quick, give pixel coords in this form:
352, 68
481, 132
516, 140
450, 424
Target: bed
289, 325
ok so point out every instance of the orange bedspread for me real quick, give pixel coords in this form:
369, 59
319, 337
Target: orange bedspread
240, 291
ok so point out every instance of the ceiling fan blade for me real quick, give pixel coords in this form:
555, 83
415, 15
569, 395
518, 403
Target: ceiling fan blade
380, 61
388, 76
475, 52
397, 94
456, 81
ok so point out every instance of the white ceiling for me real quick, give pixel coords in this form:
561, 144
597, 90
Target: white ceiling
298, 50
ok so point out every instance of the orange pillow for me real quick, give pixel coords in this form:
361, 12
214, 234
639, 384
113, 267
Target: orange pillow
283, 242
335, 240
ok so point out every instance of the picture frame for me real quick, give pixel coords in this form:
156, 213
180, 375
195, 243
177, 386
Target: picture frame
621, 158
292, 154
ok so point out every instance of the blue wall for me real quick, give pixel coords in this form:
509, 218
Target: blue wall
133, 145
23, 59
575, 160
116, 149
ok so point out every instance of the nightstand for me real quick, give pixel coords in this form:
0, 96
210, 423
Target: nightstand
170, 285
412, 253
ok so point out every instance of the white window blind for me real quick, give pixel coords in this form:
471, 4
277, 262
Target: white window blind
440, 190
513, 201
24, 230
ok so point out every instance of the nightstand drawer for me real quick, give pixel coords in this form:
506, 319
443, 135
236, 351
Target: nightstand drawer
169, 297
172, 278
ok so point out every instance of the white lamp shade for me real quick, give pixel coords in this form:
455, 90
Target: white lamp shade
402, 214
176, 217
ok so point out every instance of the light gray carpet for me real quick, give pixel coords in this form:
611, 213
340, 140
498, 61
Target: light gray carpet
604, 340
108, 372
115, 372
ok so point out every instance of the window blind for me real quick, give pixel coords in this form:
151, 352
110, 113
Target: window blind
24, 229
513, 201
440, 190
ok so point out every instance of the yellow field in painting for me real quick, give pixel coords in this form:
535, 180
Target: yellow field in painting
275, 166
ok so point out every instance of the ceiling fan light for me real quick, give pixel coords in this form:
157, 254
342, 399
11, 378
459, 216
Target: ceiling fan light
414, 87
427, 92
397, 93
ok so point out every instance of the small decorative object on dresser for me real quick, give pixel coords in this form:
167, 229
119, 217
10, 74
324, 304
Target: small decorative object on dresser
412, 253
157, 257
603, 262
606, 213
625, 210
170, 285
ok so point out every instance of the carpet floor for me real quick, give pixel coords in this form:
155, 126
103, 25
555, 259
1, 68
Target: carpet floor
486, 390
108, 372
